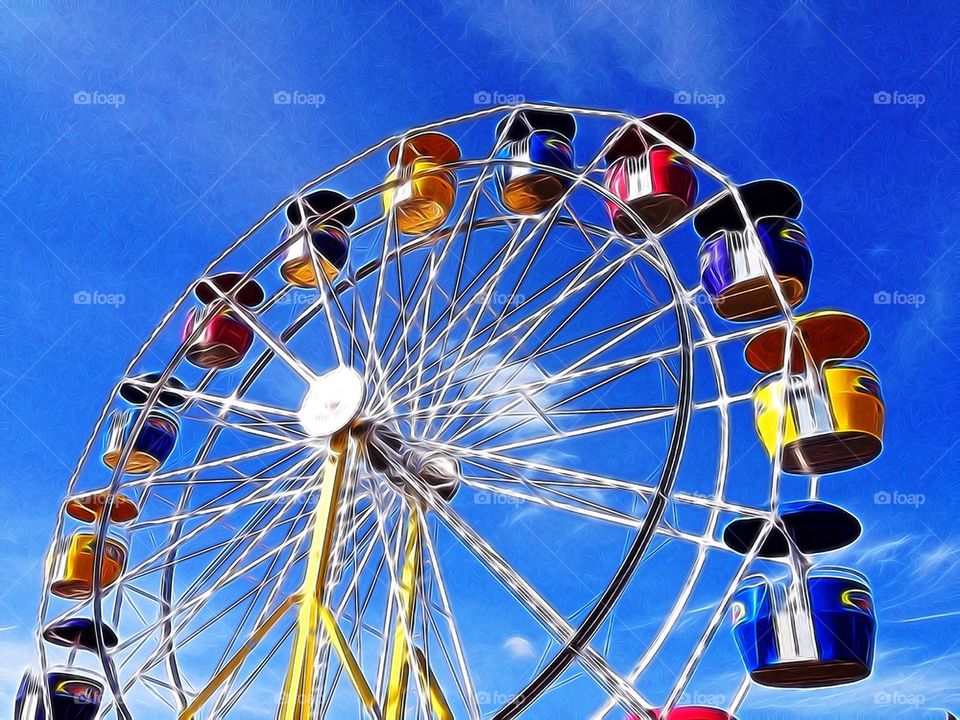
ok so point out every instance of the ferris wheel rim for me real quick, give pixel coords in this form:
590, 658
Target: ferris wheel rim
411, 246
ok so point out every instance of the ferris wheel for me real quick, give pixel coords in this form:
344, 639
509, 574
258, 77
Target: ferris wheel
412, 439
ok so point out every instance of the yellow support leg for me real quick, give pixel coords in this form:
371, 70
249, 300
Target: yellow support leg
237, 660
298, 687
354, 672
400, 660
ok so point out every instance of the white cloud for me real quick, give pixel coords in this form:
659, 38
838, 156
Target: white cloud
519, 647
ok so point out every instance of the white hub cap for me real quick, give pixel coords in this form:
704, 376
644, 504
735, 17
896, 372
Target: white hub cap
331, 402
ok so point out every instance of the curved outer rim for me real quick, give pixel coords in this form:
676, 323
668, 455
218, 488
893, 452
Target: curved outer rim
579, 640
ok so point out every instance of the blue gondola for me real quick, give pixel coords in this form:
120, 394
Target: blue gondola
544, 137
153, 445
817, 633
732, 267
327, 232
74, 695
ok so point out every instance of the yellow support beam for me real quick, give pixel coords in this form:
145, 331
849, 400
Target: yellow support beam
237, 660
349, 661
400, 660
297, 700
298, 687
438, 700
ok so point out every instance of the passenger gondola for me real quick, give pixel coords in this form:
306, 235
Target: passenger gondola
75, 565
655, 181
835, 412
421, 190
819, 632
80, 633
88, 507
225, 337
534, 138
74, 694
322, 239
810, 526
734, 265
689, 712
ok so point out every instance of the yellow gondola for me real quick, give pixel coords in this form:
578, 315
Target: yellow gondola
426, 191
834, 420
77, 565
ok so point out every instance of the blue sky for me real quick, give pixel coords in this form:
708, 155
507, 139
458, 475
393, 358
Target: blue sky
182, 147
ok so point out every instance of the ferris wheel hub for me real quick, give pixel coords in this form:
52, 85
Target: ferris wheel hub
401, 460
332, 402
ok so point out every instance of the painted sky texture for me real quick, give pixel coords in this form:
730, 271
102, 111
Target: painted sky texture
138, 141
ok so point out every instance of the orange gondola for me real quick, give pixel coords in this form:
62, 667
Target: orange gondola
422, 190
76, 566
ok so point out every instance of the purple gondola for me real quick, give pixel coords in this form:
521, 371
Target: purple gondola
733, 267
74, 694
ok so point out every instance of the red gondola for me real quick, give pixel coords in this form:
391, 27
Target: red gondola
655, 181
225, 337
